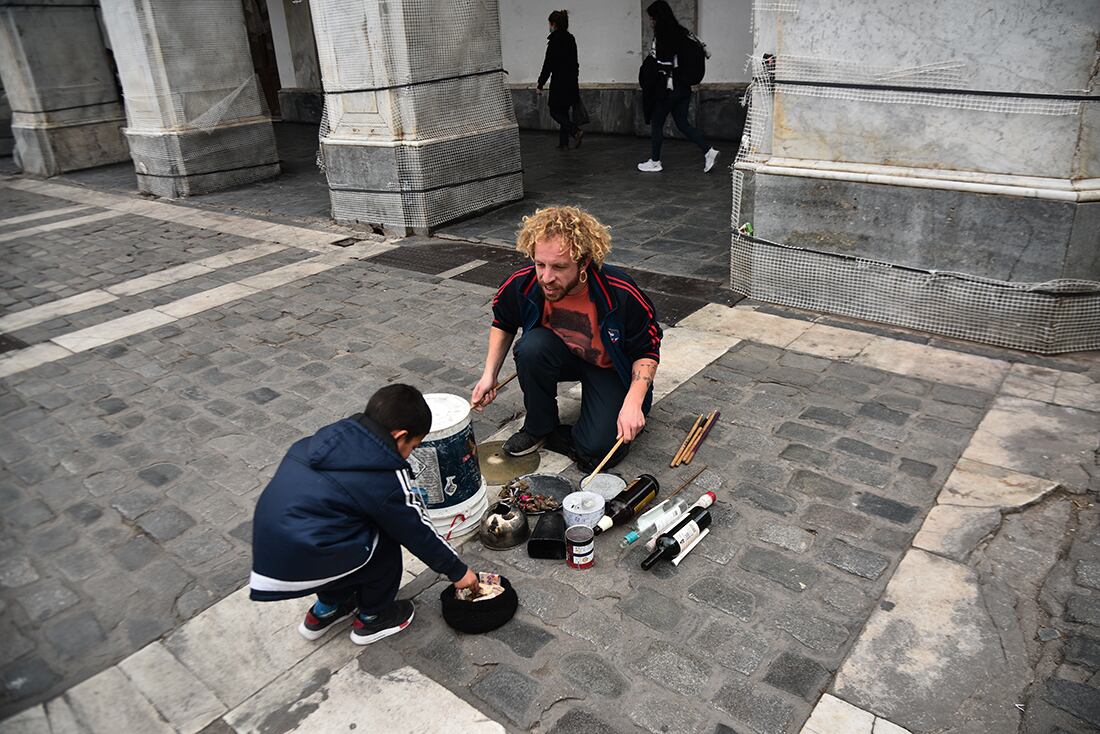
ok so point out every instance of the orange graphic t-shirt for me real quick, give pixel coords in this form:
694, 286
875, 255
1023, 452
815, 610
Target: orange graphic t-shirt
573, 319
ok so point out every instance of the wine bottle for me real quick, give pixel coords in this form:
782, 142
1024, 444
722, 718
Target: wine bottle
666, 522
655, 520
628, 503
672, 542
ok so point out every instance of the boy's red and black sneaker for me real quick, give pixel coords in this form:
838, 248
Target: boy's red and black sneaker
314, 626
396, 618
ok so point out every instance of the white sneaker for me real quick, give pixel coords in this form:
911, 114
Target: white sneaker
650, 166
709, 159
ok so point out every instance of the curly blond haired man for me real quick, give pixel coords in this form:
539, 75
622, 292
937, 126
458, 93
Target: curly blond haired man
581, 320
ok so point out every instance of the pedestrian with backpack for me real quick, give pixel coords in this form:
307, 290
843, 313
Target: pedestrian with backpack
680, 64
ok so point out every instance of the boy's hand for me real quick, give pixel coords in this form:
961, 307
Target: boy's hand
469, 581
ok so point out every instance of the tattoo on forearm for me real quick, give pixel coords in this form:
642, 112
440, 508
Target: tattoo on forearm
638, 376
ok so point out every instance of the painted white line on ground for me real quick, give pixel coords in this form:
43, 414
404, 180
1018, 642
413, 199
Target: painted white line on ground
54, 309
830, 342
98, 297
206, 300
300, 237
186, 271
113, 330
64, 224
465, 268
42, 215
101, 334
31, 357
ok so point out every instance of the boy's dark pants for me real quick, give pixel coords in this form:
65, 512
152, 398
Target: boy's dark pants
542, 361
375, 585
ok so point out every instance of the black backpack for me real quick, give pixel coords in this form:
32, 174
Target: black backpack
691, 62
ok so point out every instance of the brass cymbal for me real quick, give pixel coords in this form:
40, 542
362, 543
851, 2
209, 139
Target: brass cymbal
499, 468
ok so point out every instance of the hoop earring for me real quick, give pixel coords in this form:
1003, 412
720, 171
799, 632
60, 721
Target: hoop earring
583, 277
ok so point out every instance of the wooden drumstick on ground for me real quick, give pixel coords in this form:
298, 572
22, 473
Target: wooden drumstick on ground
694, 449
687, 441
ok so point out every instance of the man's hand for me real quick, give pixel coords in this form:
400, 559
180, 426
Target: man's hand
469, 581
631, 422
483, 393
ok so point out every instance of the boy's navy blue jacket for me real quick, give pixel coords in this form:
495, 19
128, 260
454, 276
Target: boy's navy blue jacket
320, 517
627, 318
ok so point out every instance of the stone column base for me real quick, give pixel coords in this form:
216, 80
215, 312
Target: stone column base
47, 149
191, 162
419, 186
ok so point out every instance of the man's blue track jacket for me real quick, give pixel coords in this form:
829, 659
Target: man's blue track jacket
628, 320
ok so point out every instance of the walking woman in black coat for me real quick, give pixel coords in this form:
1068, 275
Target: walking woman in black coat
562, 68
673, 93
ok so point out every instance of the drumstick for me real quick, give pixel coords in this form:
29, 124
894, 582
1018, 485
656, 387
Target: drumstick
699, 441
603, 463
690, 440
684, 486
687, 440
499, 385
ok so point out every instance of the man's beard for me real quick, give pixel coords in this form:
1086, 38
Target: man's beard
563, 292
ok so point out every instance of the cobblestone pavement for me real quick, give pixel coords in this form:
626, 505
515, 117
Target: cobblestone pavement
825, 472
675, 222
130, 470
844, 463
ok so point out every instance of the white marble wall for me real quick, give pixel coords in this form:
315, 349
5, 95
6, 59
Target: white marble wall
1016, 45
609, 40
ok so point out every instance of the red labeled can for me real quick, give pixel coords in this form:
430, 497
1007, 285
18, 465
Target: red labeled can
580, 546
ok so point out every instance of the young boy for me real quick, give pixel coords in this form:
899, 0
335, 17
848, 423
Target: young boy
334, 517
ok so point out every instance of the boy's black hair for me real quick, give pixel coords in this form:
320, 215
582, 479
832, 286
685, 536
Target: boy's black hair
400, 407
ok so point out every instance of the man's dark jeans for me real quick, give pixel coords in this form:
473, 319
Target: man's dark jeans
542, 361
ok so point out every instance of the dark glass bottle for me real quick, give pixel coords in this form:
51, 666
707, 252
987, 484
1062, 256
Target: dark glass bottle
628, 503
679, 536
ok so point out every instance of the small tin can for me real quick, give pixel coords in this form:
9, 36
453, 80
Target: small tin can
580, 546
582, 508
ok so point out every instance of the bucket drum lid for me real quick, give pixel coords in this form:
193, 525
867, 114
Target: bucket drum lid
605, 485
450, 413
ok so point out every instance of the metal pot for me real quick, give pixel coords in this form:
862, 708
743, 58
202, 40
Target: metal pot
504, 526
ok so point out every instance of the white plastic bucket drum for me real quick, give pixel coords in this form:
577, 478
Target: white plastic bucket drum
582, 508
445, 466
459, 520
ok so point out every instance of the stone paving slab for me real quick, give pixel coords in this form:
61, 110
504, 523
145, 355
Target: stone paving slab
129, 471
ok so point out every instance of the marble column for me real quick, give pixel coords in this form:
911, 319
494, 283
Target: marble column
66, 112
933, 139
419, 129
301, 98
197, 120
7, 142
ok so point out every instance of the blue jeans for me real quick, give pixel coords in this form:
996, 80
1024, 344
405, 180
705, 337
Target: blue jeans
542, 361
676, 102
